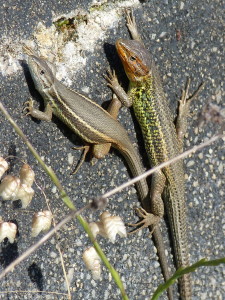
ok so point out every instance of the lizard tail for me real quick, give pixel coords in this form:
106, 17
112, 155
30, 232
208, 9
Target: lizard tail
159, 244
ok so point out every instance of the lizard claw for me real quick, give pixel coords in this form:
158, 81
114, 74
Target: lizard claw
28, 107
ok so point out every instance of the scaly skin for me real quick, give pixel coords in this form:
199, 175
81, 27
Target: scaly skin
162, 140
161, 144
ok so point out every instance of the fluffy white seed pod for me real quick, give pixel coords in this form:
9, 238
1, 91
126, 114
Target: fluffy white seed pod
112, 225
3, 166
92, 262
8, 230
41, 222
9, 187
26, 175
25, 194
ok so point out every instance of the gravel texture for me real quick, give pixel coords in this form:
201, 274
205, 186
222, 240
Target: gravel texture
186, 39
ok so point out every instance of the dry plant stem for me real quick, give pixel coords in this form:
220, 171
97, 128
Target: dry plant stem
64, 271
159, 167
69, 203
58, 246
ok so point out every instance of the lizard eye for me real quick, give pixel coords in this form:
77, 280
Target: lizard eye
132, 58
42, 72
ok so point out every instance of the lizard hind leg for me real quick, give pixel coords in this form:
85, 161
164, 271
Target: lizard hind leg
85, 149
153, 212
184, 111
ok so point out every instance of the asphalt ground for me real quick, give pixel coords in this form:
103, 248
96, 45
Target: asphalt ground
185, 39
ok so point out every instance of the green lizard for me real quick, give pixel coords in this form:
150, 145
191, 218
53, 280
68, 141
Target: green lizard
162, 140
92, 123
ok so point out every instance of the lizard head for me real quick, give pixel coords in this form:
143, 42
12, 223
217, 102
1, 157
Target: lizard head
42, 72
135, 58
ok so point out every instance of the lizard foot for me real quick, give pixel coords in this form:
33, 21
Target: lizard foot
184, 109
148, 220
185, 101
131, 25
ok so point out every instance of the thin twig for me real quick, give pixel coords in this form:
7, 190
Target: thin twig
163, 165
57, 244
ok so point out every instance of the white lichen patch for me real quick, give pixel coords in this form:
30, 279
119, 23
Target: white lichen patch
9, 56
69, 56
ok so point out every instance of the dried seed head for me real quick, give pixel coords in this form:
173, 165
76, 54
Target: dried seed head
94, 228
108, 227
25, 194
9, 187
41, 222
92, 262
8, 230
112, 225
27, 175
3, 166
98, 228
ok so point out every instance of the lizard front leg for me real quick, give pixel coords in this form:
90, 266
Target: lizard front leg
113, 83
45, 115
